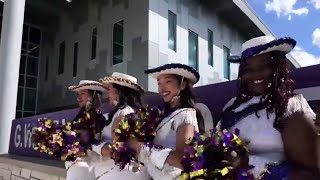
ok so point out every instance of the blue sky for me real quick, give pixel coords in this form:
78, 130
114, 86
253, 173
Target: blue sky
299, 19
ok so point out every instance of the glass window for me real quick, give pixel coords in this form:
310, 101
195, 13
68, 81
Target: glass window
210, 47
35, 36
21, 80
118, 42
0, 24
226, 63
75, 59
18, 114
47, 69
94, 43
22, 69
30, 99
25, 35
172, 30
33, 50
193, 50
118, 33
27, 114
24, 45
19, 98
62, 50
31, 82
32, 66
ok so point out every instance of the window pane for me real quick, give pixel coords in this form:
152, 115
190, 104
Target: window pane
19, 99
61, 57
23, 52
75, 59
193, 50
31, 82
18, 114
94, 31
172, 28
94, 44
35, 35
21, 80
30, 100
47, 69
33, 50
22, 69
32, 66
25, 33
118, 34
116, 60
210, 47
27, 114
24, 46
226, 65
0, 24
117, 51
118, 42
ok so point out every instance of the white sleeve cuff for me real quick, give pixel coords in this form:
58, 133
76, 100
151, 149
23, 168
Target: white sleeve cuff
158, 157
98, 148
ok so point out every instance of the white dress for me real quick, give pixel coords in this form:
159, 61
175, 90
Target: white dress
106, 169
266, 144
206, 114
83, 168
166, 136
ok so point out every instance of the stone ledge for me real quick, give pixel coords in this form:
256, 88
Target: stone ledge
24, 168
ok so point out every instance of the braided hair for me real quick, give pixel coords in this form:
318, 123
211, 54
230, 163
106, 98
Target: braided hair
279, 91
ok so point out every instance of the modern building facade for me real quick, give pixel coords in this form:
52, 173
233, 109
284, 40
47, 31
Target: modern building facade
66, 41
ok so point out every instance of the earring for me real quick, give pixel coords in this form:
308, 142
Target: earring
269, 85
115, 102
175, 101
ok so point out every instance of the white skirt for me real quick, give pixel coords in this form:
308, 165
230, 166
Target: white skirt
106, 170
82, 168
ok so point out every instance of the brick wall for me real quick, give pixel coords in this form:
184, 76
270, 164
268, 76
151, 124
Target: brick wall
20, 170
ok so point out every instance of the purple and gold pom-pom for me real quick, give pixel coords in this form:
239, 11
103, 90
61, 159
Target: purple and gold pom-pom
217, 155
140, 126
72, 140
57, 141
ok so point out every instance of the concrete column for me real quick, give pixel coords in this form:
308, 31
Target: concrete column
10, 50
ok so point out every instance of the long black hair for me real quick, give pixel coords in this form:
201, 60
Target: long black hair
187, 99
127, 97
96, 101
279, 90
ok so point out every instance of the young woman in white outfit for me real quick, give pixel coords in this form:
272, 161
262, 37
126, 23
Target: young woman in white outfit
89, 96
124, 94
181, 120
277, 124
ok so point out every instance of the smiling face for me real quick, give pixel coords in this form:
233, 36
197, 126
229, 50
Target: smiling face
83, 96
169, 86
112, 93
256, 72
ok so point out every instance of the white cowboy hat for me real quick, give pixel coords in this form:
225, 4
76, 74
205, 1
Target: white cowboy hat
123, 80
264, 44
89, 85
175, 68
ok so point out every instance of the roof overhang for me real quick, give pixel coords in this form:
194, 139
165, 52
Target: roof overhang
240, 16
237, 14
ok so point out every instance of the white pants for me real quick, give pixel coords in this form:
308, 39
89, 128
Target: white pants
107, 170
82, 168
94, 167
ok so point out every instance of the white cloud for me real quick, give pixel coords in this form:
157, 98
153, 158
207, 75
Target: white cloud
315, 3
285, 8
289, 17
304, 58
316, 37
